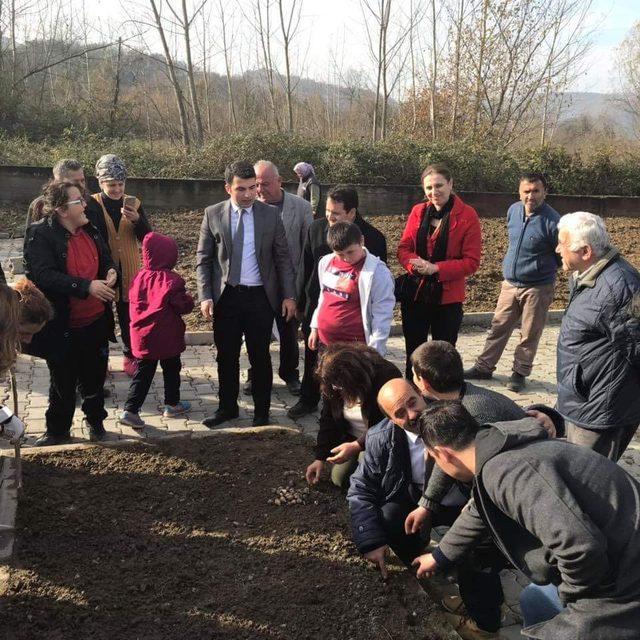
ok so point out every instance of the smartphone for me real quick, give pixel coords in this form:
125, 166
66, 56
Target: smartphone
130, 202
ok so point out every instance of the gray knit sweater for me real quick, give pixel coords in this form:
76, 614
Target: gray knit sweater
486, 406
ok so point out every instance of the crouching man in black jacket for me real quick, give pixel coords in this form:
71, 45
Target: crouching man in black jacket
67, 259
562, 514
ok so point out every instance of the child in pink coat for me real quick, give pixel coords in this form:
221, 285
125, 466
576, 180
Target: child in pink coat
157, 300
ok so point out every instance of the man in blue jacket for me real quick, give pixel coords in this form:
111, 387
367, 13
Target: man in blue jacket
529, 270
598, 353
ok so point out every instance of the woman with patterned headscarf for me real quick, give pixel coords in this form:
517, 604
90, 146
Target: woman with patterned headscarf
309, 187
127, 226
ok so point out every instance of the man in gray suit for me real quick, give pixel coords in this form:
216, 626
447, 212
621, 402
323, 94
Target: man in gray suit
245, 277
296, 215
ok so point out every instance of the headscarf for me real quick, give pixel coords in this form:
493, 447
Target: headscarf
305, 169
110, 167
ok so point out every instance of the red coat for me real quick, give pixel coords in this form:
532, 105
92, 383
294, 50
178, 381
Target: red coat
157, 299
463, 248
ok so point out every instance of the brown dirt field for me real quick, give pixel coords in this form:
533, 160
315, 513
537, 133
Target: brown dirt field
179, 539
482, 288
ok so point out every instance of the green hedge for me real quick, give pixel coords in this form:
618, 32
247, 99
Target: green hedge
606, 171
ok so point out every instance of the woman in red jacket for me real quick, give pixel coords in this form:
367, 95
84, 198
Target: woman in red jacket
440, 247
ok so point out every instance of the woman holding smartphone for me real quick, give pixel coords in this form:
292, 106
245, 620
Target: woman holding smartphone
127, 225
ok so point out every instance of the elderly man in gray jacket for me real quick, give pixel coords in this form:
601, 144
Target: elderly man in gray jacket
598, 355
565, 516
296, 215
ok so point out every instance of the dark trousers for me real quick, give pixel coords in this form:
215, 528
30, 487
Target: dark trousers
122, 308
309, 387
243, 311
289, 353
611, 443
83, 366
478, 574
141, 382
418, 319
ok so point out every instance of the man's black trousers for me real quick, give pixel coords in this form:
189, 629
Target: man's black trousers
243, 311
84, 366
478, 575
309, 387
289, 353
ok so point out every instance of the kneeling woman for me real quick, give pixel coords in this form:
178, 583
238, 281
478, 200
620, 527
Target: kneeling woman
350, 376
68, 261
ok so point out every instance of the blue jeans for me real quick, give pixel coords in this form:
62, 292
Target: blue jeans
539, 604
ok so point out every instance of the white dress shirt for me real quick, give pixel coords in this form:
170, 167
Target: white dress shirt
250, 272
416, 454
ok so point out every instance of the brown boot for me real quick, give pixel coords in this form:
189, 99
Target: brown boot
467, 629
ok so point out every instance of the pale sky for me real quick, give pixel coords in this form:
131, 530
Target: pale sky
333, 28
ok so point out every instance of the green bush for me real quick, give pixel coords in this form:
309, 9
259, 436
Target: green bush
605, 171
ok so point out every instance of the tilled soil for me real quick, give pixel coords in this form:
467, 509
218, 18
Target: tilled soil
482, 288
185, 539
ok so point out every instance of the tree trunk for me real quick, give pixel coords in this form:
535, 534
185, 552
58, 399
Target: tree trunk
190, 74
184, 124
113, 112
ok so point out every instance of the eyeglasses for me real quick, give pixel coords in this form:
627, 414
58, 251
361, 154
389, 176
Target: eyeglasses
80, 201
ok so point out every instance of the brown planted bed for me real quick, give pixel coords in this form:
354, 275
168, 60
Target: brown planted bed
483, 287
183, 540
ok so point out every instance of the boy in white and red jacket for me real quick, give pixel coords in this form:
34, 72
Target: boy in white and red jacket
356, 293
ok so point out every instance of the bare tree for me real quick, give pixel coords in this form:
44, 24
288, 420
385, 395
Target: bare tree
290, 16
628, 59
184, 124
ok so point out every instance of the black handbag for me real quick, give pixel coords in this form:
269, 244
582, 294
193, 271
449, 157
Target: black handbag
426, 289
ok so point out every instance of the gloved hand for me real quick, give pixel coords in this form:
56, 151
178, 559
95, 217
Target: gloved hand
11, 427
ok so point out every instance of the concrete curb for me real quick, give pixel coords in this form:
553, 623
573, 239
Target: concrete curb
8, 508
473, 319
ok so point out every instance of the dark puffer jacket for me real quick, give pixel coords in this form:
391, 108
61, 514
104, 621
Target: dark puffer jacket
598, 355
45, 257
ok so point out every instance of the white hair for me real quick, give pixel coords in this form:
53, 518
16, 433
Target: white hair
266, 164
586, 229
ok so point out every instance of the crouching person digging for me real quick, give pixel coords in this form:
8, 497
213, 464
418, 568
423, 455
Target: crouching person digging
386, 488
562, 514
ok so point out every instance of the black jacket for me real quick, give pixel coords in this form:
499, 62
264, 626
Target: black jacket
561, 514
598, 354
315, 246
45, 256
334, 430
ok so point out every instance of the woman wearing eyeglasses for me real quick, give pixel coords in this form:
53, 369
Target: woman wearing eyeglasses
350, 376
67, 259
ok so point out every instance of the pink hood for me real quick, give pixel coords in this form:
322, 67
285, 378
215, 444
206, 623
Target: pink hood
159, 252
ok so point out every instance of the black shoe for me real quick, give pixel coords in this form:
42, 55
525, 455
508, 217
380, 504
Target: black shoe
261, 421
47, 440
300, 409
516, 382
97, 434
477, 374
106, 393
219, 417
247, 388
293, 386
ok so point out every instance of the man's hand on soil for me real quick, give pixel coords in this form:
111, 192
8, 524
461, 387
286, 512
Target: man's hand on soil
544, 421
344, 452
426, 564
377, 556
314, 471
419, 518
